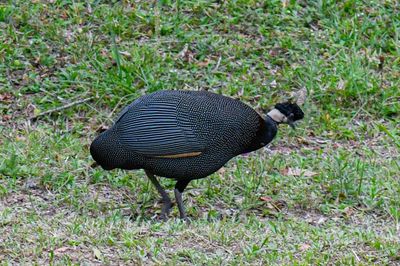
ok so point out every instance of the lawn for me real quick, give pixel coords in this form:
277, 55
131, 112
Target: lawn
327, 193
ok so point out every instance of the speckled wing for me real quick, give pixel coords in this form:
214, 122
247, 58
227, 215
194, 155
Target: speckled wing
152, 129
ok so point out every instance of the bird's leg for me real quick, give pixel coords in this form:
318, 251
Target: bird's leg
166, 200
179, 188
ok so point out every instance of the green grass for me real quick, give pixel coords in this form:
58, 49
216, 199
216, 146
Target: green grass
341, 206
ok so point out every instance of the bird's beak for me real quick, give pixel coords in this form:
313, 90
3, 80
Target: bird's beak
94, 165
290, 121
291, 124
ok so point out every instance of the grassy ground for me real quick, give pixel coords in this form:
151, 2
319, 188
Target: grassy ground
327, 193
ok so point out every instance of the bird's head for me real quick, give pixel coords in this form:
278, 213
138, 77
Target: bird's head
286, 113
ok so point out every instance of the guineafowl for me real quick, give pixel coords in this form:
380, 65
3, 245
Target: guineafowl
185, 135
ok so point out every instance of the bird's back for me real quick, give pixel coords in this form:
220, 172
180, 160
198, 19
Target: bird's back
186, 134
220, 121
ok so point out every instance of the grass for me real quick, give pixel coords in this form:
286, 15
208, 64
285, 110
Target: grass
327, 193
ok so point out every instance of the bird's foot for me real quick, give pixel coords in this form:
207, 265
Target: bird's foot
186, 219
166, 209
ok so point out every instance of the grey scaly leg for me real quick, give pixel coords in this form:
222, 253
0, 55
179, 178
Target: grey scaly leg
166, 200
179, 188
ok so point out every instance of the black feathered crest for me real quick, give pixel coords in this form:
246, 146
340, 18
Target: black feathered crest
291, 110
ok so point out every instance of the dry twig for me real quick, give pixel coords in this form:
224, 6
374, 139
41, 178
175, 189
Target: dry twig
69, 105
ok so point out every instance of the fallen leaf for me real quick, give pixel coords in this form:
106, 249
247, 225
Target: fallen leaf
336, 145
304, 247
349, 211
6, 117
31, 110
341, 196
274, 52
266, 198
64, 15
303, 141
275, 205
6, 97
221, 171
101, 129
327, 117
105, 53
97, 253
239, 199
280, 204
301, 96
61, 250
297, 172
68, 35
318, 220
285, 171
381, 62
321, 220
341, 85
204, 63
20, 138
126, 53
322, 142
186, 54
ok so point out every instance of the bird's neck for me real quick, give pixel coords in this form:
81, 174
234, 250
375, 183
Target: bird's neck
266, 132
277, 116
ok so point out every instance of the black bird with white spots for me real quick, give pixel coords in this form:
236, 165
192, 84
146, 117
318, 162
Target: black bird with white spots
185, 135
